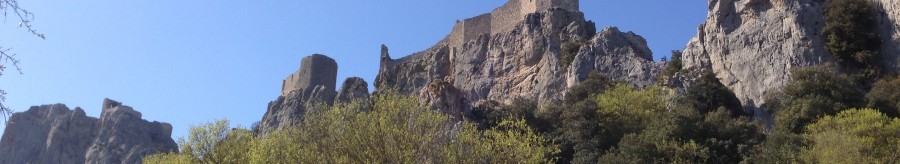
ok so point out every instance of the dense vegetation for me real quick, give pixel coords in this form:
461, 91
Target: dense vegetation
851, 35
819, 117
396, 130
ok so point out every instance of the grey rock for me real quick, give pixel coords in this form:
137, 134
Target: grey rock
443, 96
889, 19
520, 61
751, 45
353, 89
616, 54
143, 138
55, 134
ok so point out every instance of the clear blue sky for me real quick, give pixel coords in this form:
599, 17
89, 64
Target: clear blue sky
189, 62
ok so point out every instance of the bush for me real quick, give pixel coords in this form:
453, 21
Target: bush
813, 92
852, 36
707, 94
594, 84
854, 136
885, 96
674, 65
214, 142
569, 50
397, 129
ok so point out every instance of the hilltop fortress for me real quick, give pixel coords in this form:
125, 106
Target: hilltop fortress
503, 19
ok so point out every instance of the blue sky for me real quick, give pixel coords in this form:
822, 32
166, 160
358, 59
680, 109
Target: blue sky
189, 62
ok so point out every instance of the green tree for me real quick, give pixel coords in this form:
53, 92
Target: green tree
885, 96
854, 136
811, 93
674, 65
852, 36
214, 142
707, 94
572, 124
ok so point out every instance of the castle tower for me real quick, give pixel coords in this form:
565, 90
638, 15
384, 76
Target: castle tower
314, 70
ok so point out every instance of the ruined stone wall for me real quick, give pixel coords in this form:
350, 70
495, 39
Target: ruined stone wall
570, 5
503, 19
477, 26
455, 39
314, 70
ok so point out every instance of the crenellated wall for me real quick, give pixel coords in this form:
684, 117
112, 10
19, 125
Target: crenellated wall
503, 19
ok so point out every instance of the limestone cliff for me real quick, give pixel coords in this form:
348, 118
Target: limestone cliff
55, 134
516, 56
751, 45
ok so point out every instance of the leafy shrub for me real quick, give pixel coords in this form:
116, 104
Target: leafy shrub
397, 129
813, 92
674, 65
594, 84
851, 34
854, 136
885, 96
707, 94
214, 142
568, 52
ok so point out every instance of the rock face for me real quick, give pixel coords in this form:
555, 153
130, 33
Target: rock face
751, 45
501, 56
889, 19
353, 89
55, 134
311, 86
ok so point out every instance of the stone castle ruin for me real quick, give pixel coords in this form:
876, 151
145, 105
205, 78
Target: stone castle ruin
503, 19
312, 85
315, 70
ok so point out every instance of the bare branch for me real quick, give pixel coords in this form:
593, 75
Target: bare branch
25, 16
6, 56
5, 111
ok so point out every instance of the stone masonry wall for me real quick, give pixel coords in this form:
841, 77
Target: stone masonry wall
503, 16
474, 27
503, 19
314, 70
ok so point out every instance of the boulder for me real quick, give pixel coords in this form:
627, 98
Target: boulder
353, 89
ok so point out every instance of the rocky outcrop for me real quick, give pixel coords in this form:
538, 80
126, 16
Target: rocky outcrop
621, 55
353, 89
442, 95
751, 45
523, 60
55, 134
889, 20
310, 87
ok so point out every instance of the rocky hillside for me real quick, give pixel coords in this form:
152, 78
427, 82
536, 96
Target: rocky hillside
535, 57
56, 134
751, 45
